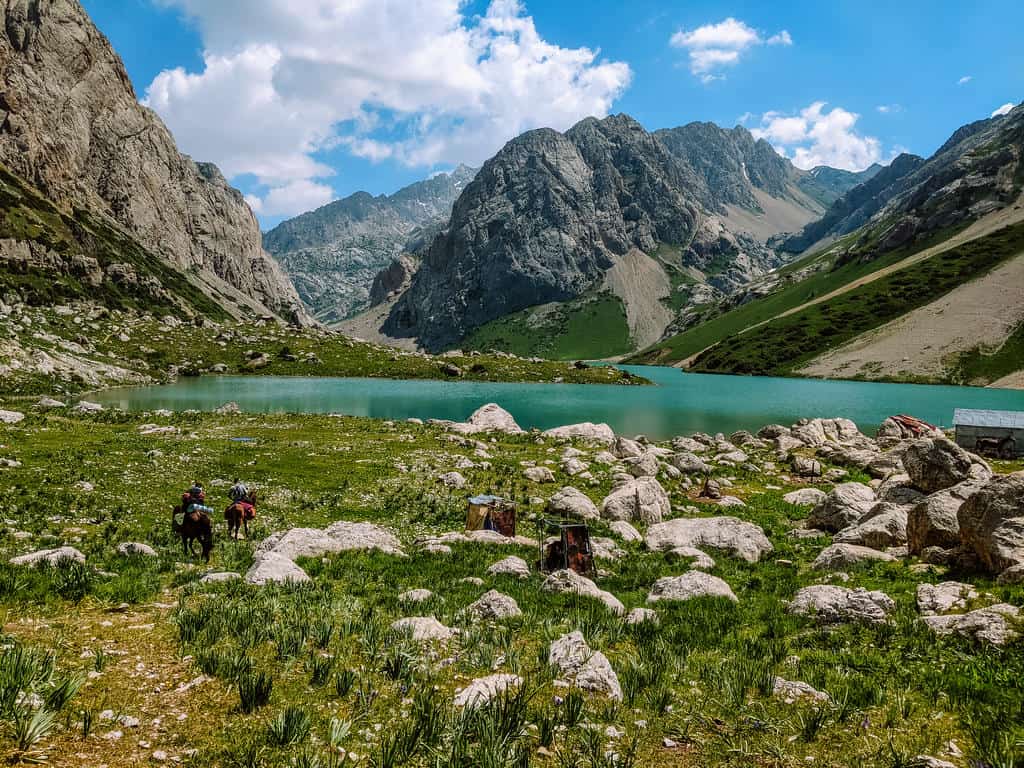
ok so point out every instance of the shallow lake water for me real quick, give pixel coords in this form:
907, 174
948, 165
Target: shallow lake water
680, 402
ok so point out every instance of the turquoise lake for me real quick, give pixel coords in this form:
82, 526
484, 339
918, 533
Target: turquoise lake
680, 403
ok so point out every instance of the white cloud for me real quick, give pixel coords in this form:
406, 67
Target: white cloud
714, 47
888, 109
815, 136
1003, 110
291, 199
964, 80
422, 83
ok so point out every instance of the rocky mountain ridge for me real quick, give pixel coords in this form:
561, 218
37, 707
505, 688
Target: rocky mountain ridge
604, 207
332, 254
72, 129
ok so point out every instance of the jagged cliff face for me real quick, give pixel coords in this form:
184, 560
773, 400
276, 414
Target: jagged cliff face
552, 215
332, 254
71, 125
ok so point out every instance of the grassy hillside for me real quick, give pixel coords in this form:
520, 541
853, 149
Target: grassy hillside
590, 327
834, 269
784, 344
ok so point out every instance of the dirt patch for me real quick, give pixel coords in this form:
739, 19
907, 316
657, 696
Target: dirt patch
1011, 381
779, 214
367, 325
982, 312
641, 283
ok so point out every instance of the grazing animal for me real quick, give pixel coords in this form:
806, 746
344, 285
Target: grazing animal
195, 526
239, 513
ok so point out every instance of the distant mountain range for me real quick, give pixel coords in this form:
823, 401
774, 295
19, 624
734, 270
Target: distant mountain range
606, 219
332, 254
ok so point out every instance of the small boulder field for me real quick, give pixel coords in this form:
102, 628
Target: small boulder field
799, 595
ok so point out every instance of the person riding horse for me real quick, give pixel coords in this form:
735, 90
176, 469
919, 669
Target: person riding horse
191, 520
241, 510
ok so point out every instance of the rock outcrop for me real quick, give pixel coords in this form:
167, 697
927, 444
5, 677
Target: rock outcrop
73, 128
830, 604
737, 537
587, 669
636, 499
992, 523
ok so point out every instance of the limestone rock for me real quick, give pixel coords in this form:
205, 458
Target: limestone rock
624, 448
453, 480
689, 463
689, 586
932, 521
742, 539
946, 597
483, 689
896, 489
339, 536
511, 566
625, 531
640, 615
791, 691
844, 505
135, 549
934, 464
595, 433
539, 475
493, 605
219, 576
830, 604
273, 567
569, 582
836, 557
996, 624
586, 669
992, 523
489, 418
56, 556
884, 526
423, 629
636, 499
805, 497
10, 417
570, 502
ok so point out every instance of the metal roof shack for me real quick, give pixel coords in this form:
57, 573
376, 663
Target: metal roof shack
999, 434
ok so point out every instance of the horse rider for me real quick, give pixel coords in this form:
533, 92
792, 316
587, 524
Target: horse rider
238, 492
194, 500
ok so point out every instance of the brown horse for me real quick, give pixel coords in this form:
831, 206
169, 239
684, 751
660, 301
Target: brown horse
239, 513
196, 526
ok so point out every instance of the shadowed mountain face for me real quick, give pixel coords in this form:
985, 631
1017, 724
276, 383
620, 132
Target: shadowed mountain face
71, 127
555, 216
333, 253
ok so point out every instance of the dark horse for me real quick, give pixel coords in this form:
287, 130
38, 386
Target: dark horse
239, 513
195, 526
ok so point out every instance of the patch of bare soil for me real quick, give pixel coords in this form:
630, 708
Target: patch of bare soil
641, 283
778, 215
983, 312
367, 325
1011, 381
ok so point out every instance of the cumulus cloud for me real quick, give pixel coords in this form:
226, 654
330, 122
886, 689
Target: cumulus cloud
1003, 110
816, 136
294, 197
964, 80
421, 83
714, 47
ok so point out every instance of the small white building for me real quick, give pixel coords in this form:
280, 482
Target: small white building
999, 434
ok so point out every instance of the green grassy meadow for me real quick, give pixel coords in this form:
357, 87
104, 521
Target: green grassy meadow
311, 675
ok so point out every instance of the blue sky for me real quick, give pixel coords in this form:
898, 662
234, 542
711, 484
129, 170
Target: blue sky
303, 101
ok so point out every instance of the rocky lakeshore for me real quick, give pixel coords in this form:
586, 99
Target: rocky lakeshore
809, 591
